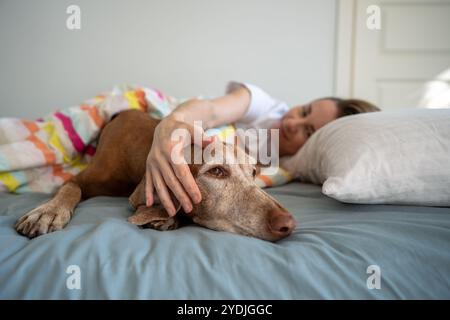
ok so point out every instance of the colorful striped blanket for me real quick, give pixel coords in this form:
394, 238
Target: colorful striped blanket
39, 156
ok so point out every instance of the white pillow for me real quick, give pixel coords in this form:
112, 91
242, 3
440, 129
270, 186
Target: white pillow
391, 157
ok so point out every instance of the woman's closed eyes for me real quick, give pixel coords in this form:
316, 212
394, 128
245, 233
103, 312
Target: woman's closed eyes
305, 110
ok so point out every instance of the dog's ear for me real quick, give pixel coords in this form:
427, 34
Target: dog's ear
144, 215
137, 198
154, 217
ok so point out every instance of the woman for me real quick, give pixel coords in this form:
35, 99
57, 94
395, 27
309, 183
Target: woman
247, 106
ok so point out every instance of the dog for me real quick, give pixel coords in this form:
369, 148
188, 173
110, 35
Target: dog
231, 201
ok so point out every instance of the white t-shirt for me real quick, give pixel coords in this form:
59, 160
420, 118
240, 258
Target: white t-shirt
264, 111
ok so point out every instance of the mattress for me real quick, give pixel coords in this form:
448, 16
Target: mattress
332, 254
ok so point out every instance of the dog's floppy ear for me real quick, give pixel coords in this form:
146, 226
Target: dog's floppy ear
154, 217
144, 215
137, 198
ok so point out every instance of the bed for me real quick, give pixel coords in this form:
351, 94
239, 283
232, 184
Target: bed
327, 257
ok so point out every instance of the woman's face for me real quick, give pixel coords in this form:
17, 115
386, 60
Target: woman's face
300, 122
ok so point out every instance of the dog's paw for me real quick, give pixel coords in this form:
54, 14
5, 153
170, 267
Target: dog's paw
44, 219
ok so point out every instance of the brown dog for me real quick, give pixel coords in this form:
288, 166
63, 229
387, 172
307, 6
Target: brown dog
231, 201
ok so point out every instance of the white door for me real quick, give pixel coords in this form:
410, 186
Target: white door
404, 63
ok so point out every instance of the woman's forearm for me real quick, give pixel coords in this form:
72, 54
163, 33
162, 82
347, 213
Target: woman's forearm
214, 112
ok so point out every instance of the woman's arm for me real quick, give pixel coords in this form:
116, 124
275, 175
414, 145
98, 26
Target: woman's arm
162, 173
215, 112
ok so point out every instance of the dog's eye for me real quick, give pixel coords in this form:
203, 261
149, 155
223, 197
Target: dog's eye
218, 172
254, 173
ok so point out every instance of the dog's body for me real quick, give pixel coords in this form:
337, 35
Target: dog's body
118, 168
119, 162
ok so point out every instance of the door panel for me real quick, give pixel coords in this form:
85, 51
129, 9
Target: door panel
407, 62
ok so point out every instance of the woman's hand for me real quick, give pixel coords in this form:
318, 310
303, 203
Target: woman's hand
167, 169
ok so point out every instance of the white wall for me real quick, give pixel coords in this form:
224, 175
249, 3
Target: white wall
183, 47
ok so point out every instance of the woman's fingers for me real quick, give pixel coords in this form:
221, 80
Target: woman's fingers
184, 175
175, 186
180, 166
163, 193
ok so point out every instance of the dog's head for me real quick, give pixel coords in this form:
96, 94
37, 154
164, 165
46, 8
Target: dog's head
231, 200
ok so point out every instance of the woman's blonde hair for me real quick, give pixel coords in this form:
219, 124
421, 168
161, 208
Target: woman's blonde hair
347, 107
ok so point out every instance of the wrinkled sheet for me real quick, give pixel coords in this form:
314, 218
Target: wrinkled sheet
325, 258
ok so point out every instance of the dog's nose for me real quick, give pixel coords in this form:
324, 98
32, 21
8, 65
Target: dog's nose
281, 223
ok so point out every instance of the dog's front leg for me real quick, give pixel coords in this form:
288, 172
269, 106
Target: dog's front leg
52, 215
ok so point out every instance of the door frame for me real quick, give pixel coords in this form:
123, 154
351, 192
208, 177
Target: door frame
345, 36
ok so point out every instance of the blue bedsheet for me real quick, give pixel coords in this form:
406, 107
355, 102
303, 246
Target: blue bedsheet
326, 258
